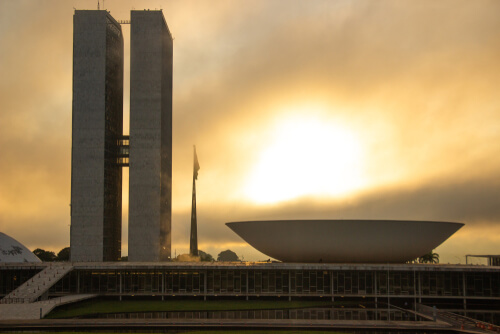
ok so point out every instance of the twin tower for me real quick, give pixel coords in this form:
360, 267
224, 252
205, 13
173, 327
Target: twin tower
99, 148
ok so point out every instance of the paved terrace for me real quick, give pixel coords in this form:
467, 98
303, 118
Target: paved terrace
232, 324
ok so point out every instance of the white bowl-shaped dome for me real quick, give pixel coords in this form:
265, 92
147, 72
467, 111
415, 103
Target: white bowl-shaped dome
344, 241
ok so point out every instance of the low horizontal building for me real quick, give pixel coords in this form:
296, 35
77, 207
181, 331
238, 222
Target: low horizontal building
492, 260
413, 282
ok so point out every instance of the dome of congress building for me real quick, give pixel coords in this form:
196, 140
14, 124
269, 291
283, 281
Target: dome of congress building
12, 251
344, 241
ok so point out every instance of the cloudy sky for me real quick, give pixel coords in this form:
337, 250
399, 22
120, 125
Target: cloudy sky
299, 109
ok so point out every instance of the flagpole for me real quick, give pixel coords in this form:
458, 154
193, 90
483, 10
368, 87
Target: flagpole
193, 245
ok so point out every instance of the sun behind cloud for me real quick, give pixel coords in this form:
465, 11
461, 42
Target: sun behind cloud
308, 155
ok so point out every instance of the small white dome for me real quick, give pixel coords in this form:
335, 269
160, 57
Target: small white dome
12, 251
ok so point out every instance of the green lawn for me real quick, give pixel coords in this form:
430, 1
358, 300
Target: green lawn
111, 306
260, 332
266, 331
220, 332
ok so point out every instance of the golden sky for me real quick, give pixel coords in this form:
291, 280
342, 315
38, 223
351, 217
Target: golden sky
299, 109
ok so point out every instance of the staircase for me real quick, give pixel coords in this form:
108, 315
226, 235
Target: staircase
36, 286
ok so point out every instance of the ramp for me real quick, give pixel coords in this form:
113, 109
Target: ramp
37, 310
36, 286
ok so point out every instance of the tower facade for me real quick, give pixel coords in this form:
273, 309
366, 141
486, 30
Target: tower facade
150, 191
97, 126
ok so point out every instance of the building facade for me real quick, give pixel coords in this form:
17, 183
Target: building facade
96, 177
466, 290
150, 137
99, 148
467, 286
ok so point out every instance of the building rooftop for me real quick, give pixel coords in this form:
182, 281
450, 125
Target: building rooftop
252, 266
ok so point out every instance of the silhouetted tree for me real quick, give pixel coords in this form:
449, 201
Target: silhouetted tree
227, 255
63, 254
430, 257
205, 257
45, 256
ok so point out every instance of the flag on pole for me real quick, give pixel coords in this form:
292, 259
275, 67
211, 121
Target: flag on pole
196, 167
193, 244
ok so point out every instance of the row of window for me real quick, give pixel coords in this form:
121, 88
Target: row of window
283, 282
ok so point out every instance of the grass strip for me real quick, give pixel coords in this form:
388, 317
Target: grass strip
266, 331
90, 307
216, 332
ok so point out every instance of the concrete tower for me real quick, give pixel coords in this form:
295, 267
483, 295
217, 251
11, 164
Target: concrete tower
96, 177
150, 137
